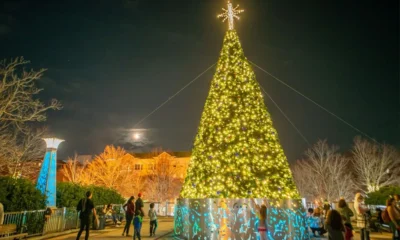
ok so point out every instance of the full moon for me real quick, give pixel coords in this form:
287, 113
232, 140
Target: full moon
136, 136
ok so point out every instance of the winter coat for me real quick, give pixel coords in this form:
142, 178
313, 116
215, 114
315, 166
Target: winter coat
347, 213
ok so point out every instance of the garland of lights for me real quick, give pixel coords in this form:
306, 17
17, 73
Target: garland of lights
236, 152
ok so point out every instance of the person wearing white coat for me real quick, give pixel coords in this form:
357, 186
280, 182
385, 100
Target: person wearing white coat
361, 216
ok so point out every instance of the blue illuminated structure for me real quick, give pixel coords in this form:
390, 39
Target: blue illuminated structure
237, 219
47, 179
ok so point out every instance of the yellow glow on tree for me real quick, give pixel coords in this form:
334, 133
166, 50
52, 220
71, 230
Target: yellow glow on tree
236, 152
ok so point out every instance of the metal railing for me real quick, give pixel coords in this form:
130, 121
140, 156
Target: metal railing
162, 208
31, 222
61, 219
37, 223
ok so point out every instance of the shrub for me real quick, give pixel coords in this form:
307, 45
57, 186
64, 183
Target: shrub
379, 197
69, 194
20, 195
34, 222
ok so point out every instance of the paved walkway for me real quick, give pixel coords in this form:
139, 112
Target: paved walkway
373, 236
164, 231
165, 227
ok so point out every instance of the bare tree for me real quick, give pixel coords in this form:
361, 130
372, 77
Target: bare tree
164, 178
135, 183
109, 169
6, 142
18, 104
340, 179
73, 169
324, 173
20, 152
375, 165
20, 144
306, 182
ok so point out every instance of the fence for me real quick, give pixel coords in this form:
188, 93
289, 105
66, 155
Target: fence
31, 222
162, 209
61, 219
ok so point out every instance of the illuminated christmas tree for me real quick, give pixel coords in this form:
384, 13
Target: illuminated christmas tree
236, 152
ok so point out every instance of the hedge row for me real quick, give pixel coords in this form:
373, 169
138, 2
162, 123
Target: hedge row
21, 194
69, 194
380, 197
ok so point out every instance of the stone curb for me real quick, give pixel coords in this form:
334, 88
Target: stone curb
58, 234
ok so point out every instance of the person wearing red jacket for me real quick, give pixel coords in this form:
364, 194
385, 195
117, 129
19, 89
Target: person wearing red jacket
129, 208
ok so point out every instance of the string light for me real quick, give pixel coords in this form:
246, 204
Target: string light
236, 152
230, 14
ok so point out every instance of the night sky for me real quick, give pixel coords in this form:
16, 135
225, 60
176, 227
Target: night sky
111, 62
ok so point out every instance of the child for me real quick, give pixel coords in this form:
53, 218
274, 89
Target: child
316, 223
153, 220
262, 220
137, 224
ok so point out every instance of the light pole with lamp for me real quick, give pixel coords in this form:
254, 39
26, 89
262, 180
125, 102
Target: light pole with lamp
47, 179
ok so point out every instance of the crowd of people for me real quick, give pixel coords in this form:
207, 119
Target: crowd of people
337, 222
321, 220
134, 213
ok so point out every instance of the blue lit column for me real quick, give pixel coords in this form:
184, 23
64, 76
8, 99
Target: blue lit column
47, 179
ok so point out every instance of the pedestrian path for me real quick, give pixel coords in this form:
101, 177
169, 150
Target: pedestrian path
165, 227
164, 231
373, 236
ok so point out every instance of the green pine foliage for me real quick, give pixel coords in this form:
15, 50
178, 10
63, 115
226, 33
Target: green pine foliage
69, 194
237, 153
379, 197
20, 195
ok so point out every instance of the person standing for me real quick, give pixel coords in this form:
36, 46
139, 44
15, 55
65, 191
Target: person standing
327, 206
139, 205
86, 210
262, 219
394, 215
137, 225
1, 213
361, 216
397, 201
334, 225
346, 213
129, 208
153, 220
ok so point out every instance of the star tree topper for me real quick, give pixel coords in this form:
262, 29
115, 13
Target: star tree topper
230, 14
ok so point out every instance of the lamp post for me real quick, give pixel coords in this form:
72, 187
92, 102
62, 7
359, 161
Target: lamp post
47, 179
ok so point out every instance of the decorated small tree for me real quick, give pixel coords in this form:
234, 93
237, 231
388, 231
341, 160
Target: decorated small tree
236, 152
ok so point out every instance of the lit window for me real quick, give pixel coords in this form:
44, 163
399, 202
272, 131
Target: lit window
138, 166
152, 167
